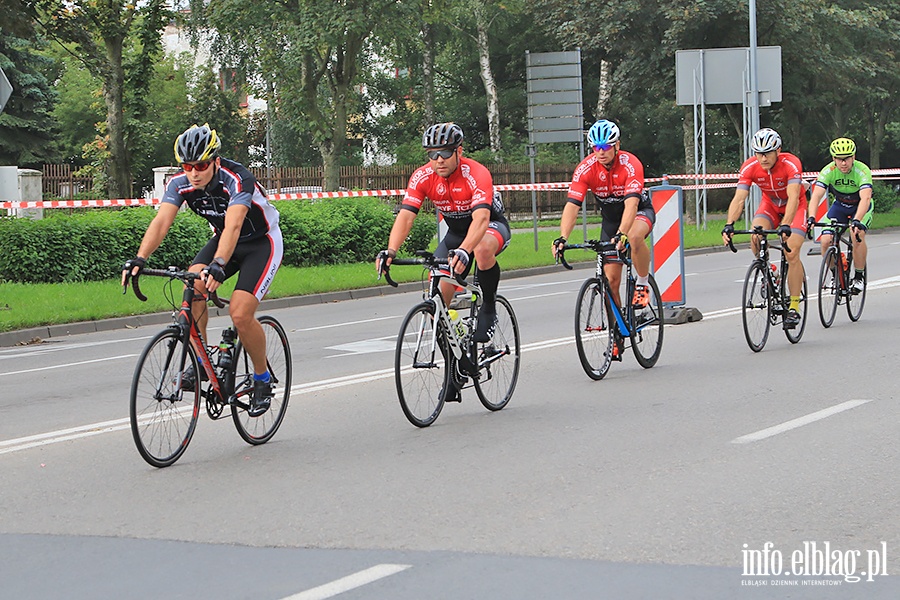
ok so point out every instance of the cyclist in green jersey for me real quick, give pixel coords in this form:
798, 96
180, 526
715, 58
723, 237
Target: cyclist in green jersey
849, 182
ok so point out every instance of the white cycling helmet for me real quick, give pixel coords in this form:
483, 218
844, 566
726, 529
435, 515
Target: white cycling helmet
765, 140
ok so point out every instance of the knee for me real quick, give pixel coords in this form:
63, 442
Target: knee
241, 317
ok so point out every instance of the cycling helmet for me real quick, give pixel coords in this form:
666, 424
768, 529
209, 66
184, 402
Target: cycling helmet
197, 143
842, 147
765, 140
603, 132
442, 135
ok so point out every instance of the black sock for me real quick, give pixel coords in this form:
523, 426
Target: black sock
489, 281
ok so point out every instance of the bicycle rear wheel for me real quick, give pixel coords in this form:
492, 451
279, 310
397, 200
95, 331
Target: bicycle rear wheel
855, 302
594, 337
794, 335
755, 306
498, 359
420, 367
829, 287
647, 328
259, 430
164, 416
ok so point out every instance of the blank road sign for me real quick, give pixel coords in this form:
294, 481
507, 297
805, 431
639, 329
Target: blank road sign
5, 90
725, 75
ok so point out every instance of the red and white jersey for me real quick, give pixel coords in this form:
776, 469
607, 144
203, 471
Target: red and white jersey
772, 183
468, 188
624, 179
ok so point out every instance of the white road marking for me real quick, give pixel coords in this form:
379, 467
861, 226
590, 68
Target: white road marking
798, 422
73, 364
350, 582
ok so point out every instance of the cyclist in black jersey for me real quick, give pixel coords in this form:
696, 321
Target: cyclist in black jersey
246, 240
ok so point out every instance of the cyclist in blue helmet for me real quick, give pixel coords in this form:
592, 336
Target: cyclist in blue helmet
616, 178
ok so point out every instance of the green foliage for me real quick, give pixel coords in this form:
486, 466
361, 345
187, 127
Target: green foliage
884, 196
90, 246
343, 230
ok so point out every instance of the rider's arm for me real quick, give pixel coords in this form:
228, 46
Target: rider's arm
234, 221
817, 194
481, 218
865, 199
402, 226
158, 229
737, 204
569, 217
628, 215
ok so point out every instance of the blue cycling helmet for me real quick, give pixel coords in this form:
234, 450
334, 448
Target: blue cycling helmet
603, 132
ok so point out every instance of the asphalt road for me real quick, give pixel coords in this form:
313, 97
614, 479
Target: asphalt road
719, 473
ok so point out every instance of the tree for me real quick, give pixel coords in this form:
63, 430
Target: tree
27, 130
311, 52
98, 33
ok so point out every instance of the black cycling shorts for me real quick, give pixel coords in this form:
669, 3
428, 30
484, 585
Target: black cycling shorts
255, 261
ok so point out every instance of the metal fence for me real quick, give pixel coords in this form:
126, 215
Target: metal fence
59, 182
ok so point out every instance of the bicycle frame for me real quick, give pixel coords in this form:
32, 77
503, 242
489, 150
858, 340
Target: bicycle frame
622, 319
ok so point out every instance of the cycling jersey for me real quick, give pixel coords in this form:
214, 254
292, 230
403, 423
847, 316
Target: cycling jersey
231, 184
624, 179
470, 187
845, 188
772, 183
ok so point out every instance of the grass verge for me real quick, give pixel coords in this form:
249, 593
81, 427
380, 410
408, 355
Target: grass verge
32, 305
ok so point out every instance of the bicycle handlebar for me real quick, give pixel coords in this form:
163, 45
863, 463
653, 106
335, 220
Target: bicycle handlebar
187, 277
595, 245
424, 258
838, 226
758, 230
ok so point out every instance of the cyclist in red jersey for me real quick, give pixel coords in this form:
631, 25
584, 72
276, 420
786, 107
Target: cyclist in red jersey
463, 190
779, 175
616, 178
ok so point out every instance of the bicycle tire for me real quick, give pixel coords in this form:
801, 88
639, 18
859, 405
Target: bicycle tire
794, 335
647, 328
161, 424
259, 430
497, 377
420, 366
756, 306
856, 302
829, 287
594, 337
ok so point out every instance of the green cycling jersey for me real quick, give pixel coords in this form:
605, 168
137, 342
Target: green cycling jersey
845, 187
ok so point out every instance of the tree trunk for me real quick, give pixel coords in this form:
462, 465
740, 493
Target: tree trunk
604, 90
118, 170
428, 74
490, 86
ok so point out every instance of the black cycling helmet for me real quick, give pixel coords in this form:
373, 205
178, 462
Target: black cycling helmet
197, 143
442, 135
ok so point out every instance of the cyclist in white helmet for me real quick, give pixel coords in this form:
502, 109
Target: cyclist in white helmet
779, 175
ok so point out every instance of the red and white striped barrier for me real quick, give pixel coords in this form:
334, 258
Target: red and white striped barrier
668, 244
559, 186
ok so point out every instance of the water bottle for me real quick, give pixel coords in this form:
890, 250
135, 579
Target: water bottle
225, 348
845, 262
776, 276
458, 325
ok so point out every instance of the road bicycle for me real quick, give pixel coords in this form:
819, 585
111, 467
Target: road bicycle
165, 407
766, 297
436, 356
602, 326
836, 276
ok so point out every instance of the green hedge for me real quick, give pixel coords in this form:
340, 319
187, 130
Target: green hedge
884, 196
92, 246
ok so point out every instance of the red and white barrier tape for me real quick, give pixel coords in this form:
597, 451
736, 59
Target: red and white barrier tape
515, 187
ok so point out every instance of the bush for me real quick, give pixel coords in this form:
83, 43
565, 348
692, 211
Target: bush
884, 196
92, 246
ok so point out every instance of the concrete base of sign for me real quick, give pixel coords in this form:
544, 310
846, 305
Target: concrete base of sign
676, 315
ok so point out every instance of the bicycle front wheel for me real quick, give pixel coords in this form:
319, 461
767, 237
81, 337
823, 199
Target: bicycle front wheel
259, 430
647, 328
794, 335
856, 301
420, 366
594, 337
164, 416
829, 287
755, 306
498, 359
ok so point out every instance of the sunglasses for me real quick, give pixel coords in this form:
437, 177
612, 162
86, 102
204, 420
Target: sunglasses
200, 166
842, 158
444, 153
602, 147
